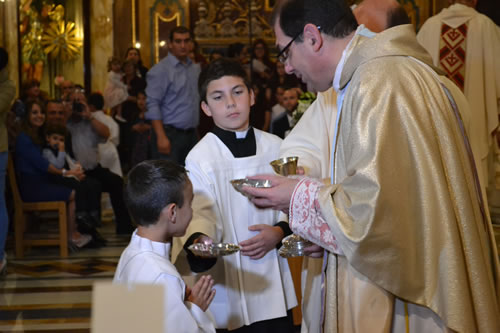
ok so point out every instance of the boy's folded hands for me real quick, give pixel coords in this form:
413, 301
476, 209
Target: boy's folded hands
202, 292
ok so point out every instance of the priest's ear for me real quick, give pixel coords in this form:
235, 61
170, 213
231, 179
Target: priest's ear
312, 37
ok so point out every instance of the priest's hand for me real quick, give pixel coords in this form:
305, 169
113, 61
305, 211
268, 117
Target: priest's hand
202, 292
314, 251
276, 197
258, 246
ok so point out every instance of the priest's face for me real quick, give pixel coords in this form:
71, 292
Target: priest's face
301, 58
228, 103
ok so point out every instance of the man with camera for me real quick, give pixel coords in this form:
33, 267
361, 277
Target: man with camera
87, 132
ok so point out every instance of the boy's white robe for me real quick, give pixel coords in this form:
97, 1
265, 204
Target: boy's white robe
147, 262
249, 290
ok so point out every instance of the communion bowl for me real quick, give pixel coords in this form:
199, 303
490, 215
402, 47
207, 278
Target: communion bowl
214, 249
285, 166
259, 183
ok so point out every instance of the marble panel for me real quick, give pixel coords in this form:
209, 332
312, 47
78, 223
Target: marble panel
101, 31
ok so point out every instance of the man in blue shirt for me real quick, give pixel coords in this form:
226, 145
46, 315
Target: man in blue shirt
173, 101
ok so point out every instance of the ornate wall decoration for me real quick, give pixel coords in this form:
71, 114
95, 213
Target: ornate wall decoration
44, 32
165, 15
59, 39
224, 21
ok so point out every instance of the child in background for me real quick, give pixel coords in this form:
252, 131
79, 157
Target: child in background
254, 286
115, 92
54, 149
141, 133
87, 190
158, 195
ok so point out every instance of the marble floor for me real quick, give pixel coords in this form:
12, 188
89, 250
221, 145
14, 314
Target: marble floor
44, 293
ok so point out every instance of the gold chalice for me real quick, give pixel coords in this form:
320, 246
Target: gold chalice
285, 166
293, 245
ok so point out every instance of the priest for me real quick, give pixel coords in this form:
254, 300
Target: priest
466, 45
410, 245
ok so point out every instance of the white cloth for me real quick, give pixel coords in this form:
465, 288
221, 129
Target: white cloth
249, 290
146, 262
482, 69
108, 154
116, 91
311, 141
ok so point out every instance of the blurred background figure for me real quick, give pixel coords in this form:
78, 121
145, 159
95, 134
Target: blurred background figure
7, 93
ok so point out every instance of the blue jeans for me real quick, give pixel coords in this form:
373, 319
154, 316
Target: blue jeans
4, 218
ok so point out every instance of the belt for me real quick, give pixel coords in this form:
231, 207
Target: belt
182, 130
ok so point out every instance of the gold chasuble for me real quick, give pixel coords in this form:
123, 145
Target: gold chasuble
404, 210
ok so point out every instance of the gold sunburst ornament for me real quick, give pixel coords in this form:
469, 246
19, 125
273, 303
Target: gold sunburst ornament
59, 38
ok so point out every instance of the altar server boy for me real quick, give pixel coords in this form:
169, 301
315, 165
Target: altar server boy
254, 286
158, 195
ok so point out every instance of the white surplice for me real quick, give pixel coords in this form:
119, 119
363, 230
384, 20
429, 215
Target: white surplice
482, 69
248, 290
147, 262
311, 141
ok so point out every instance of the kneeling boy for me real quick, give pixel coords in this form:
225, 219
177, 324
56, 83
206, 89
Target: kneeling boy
158, 195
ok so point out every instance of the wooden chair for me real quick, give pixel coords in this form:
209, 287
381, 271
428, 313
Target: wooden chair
21, 207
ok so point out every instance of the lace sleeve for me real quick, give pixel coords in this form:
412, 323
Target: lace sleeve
305, 216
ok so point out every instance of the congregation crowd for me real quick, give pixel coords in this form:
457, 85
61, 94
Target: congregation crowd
76, 144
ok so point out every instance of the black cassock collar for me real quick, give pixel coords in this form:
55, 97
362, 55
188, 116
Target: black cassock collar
239, 147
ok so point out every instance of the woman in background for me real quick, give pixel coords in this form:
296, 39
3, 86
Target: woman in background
33, 171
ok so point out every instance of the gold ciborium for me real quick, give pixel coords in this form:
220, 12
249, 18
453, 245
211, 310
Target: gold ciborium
285, 166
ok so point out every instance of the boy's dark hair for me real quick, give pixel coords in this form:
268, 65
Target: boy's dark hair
151, 186
216, 70
55, 129
97, 100
334, 17
179, 30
